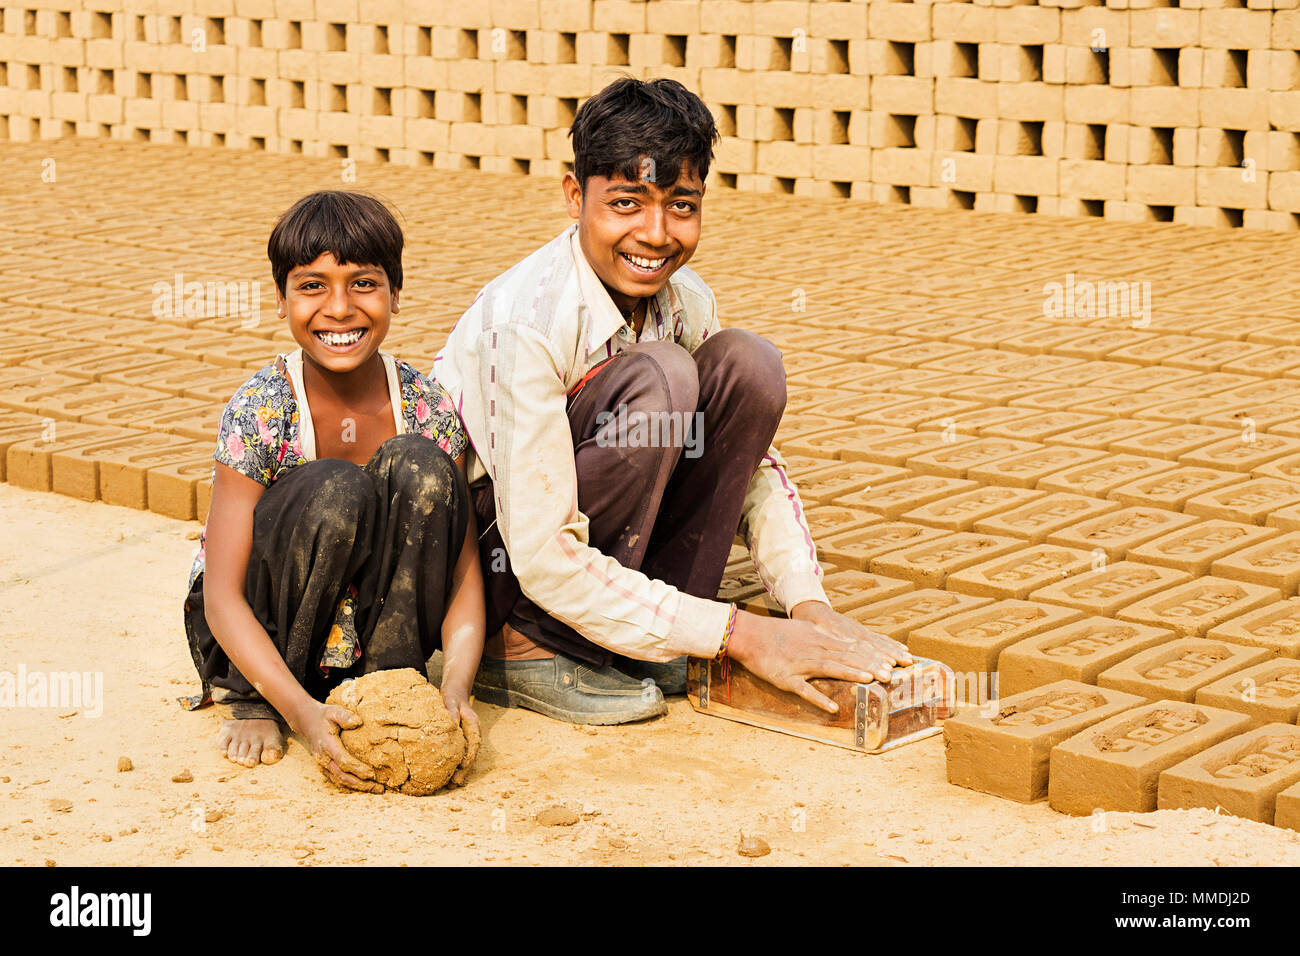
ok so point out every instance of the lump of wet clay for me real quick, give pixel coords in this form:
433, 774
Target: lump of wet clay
407, 735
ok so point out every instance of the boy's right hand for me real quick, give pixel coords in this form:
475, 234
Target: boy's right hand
319, 726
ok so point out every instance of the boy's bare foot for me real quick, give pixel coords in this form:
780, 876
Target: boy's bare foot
250, 742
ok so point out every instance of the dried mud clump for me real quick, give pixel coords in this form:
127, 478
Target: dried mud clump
407, 735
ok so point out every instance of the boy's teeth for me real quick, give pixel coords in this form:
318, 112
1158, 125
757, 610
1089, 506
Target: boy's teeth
645, 263
341, 338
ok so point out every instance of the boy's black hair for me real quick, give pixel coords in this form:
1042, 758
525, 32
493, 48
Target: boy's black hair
350, 226
630, 119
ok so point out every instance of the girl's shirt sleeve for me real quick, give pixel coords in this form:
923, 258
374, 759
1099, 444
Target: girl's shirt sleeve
255, 436
429, 411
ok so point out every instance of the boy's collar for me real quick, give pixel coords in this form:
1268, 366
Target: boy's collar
606, 319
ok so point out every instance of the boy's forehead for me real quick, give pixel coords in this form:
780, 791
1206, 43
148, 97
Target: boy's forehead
326, 262
688, 179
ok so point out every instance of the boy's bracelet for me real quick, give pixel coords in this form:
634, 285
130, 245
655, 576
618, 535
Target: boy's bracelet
726, 635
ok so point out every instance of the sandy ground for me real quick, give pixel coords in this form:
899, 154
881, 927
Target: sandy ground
91, 587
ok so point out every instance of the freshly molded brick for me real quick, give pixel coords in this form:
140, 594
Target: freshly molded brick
1107, 590
1078, 651
1267, 692
1274, 626
1243, 774
1119, 531
1007, 752
929, 563
1194, 549
898, 617
1116, 764
1177, 669
970, 643
1019, 574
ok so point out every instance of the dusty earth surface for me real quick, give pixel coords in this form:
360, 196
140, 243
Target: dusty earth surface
91, 587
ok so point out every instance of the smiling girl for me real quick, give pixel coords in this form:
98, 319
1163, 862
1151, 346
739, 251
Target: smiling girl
340, 538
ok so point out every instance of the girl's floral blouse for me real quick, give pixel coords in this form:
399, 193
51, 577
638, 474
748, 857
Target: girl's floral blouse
259, 435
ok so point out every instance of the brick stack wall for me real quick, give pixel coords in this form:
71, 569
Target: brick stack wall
1129, 110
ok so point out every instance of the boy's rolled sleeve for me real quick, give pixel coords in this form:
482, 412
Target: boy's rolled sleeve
777, 534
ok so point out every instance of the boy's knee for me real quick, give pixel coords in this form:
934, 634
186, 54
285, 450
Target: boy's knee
755, 366
665, 376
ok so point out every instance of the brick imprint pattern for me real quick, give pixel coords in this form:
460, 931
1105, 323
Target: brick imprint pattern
1130, 110
999, 432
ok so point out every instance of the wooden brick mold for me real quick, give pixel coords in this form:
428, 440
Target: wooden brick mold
1005, 747
1116, 764
1243, 774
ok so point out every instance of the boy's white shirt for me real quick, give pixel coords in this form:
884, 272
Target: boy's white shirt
509, 364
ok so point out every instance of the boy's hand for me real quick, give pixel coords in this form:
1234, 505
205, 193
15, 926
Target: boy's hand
822, 617
319, 725
458, 705
789, 654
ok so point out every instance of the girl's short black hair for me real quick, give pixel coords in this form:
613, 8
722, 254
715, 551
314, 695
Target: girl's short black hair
630, 119
352, 227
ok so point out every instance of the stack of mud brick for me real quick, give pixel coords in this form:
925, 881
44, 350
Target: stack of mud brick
1137, 109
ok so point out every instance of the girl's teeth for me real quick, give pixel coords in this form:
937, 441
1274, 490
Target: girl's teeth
341, 338
645, 263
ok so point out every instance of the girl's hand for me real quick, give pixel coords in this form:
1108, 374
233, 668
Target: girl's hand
459, 706
319, 725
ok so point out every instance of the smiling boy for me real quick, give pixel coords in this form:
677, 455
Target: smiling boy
602, 551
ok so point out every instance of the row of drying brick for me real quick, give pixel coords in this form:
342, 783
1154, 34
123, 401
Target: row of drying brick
168, 474
891, 471
1090, 749
899, 591
939, 464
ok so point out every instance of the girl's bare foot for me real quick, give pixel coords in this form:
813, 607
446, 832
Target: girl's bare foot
250, 742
